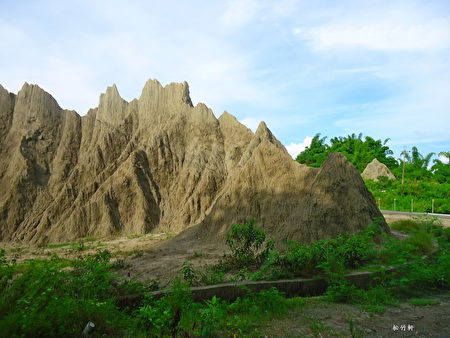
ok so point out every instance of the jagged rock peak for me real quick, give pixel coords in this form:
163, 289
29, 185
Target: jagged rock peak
228, 120
112, 91
263, 132
110, 96
227, 116
174, 93
3, 89
36, 96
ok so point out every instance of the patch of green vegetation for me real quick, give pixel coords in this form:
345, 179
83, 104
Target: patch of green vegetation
406, 225
131, 253
421, 260
177, 315
355, 332
317, 328
320, 258
44, 298
59, 245
89, 239
119, 264
80, 246
423, 301
57, 297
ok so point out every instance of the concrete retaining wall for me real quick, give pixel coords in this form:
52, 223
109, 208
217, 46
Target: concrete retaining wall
291, 287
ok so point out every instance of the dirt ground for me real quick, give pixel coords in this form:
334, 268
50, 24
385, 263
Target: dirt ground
393, 218
145, 258
322, 319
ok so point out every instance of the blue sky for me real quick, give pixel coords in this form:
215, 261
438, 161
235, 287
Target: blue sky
381, 68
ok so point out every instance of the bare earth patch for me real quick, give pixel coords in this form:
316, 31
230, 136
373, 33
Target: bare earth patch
391, 218
144, 258
322, 319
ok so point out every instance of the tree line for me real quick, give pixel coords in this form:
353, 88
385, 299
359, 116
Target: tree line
361, 150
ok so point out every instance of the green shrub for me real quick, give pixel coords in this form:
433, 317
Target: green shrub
46, 298
188, 271
168, 315
321, 257
419, 243
247, 243
406, 225
177, 314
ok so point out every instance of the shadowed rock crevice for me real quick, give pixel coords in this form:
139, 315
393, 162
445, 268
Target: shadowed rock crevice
158, 163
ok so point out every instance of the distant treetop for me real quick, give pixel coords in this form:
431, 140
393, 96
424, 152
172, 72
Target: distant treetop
358, 151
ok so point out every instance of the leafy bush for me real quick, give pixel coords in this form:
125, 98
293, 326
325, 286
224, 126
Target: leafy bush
406, 225
48, 298
167, 315
246, 242
178, 314
419, 243
188, 272
322, 257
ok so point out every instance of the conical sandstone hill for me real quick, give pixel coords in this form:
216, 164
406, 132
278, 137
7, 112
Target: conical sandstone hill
158, 163
376, 169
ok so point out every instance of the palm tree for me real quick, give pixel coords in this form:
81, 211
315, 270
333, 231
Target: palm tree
406, 157
416, 159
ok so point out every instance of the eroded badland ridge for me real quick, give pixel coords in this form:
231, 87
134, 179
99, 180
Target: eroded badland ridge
158, 163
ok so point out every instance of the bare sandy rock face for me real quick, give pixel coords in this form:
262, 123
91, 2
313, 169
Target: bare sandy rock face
375, 169
158, 163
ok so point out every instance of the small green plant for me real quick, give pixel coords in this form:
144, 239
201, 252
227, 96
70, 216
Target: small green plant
153, 285
317, 328
212, 275
79, 246
188, 272
119, 264
2, 257
355, 332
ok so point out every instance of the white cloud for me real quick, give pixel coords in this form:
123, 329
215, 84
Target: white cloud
444, 159
296, 148
396, 28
